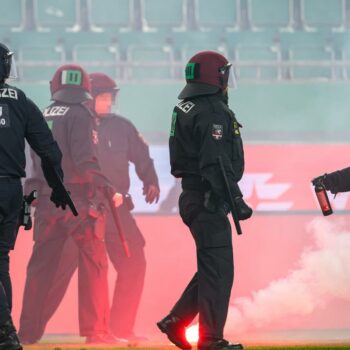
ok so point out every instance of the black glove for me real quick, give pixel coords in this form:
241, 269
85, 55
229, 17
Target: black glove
321, 180
59, 198
244, 212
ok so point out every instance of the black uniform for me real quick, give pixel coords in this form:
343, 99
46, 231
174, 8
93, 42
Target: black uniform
119, 143
20, 119
204, 128
338, 181
74, 127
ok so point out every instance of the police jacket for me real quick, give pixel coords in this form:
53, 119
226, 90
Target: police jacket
120, 143
338, 181
21, 119
73, 126
204, 128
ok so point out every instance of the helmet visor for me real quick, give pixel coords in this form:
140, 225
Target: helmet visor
10, 62
229, 75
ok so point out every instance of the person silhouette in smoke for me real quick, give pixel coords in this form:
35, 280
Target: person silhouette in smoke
73, 125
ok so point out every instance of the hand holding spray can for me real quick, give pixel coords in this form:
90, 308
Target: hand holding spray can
322, 196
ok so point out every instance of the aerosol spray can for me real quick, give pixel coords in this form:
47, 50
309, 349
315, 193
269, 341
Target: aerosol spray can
323, 200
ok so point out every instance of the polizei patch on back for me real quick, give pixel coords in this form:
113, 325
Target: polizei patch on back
56, 111
9, 93
186, 106
217, 132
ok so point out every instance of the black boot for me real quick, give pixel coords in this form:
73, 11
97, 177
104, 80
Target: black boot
8, 337
218, 344
175, 329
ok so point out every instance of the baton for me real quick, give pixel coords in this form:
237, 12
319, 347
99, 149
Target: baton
231, 202
116, 220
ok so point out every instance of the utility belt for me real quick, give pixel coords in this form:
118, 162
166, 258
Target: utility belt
211, 201
194, 183
75, 189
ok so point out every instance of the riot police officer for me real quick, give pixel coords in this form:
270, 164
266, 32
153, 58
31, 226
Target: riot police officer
73, 125
20, 119
118, 143
203, 129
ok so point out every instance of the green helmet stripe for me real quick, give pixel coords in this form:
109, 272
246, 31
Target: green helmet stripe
71, 77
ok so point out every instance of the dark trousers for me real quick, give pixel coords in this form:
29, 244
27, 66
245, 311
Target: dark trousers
10, 206
131, 274
54, 230
128, 286
208, 293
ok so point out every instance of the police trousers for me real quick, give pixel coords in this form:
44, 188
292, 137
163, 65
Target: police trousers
208, 293
53, 230
10, 206
128, 286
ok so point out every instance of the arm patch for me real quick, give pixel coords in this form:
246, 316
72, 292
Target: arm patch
185, 106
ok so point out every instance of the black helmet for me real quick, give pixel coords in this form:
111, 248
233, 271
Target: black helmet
5, 62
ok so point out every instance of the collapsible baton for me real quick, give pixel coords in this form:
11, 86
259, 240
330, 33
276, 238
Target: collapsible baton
109, 197
231, 202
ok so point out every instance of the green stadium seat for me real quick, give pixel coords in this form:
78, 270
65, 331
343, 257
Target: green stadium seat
52, 14
99, 58
150, 62
39, 63
160, 14
323, 13
345, 57
110, 14
13, 16
312, 54
270, 13
248, 56
213, 14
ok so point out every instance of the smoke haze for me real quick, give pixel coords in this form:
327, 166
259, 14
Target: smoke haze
322, 273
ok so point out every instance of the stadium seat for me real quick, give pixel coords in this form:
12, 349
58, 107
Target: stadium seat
13, 16
190, 50
39, 63
270, 13
52, 14
110, 14
249, 59
345, 57
150, 62
323, 13
314, 55
160, 14
213, 14
101, 58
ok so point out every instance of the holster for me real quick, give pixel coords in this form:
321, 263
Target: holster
214, 203
98, 213
128, 202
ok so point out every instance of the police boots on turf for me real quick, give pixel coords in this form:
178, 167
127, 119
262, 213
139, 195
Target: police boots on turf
8, 337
